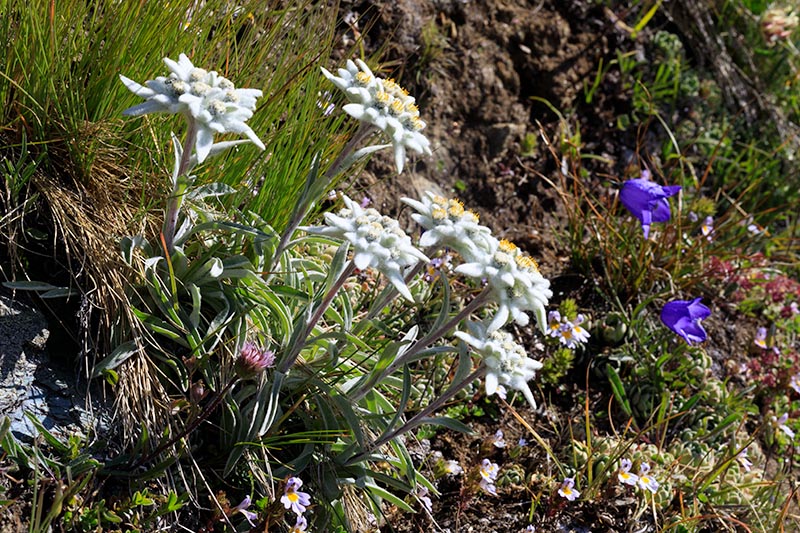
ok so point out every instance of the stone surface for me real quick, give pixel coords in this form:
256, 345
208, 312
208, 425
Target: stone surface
31, 382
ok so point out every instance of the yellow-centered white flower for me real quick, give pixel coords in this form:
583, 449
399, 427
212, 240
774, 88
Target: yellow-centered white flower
384, 104
377, 240
448, 224
210, 101
516, 283
507, 362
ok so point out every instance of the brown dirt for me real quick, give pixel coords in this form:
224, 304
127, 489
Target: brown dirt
480, 70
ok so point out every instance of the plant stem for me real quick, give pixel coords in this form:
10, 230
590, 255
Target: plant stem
203, 415
420, 417
299, 344
340, 163
176, 198
423, 343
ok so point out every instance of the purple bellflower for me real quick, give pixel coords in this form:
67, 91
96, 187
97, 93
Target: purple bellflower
684, 316
647, 201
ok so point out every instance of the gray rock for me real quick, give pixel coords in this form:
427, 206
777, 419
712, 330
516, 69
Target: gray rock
31, 382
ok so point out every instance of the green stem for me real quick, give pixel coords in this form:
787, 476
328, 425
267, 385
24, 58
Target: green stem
423, 343
176, 198
341, 162
421, 417
299, 344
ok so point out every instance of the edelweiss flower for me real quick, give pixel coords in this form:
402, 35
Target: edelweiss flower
208, 101
378, 242
507, 362
516, 283
448, 224
386, 105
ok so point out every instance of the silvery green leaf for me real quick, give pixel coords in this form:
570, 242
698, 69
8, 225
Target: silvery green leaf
194, 317
152, 262
210, 190
129, 244
121, 353
29, 285
218, 148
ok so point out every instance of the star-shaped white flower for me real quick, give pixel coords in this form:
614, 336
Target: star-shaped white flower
210, 102
516, 283
448, 224
384, 104
377, 240
507, 362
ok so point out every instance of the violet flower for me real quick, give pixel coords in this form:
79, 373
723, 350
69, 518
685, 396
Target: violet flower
647, 201
684, 316
293, 498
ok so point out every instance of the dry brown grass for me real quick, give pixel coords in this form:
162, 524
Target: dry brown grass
90, 205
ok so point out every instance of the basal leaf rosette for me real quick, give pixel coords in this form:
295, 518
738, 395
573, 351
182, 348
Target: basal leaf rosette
506, 360
384, 104
517, 285
448, 224
378, 242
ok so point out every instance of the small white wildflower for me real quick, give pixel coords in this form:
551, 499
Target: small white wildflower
452, 468
488, 472
377, 240
448, 224
646, 481
567, 489
624, 475
386, 105
780, 423
794, 383
498, 440
507, 362
743, 460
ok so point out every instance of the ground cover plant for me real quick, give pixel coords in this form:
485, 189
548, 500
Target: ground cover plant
315, 309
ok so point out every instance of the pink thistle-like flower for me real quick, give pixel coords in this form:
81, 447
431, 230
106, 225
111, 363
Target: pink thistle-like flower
253, 360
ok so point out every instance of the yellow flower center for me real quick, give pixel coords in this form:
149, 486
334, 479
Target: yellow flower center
292, 496
382, 97
507, 246
438, 213
396, 106
527, 262
455, 208
363, 78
